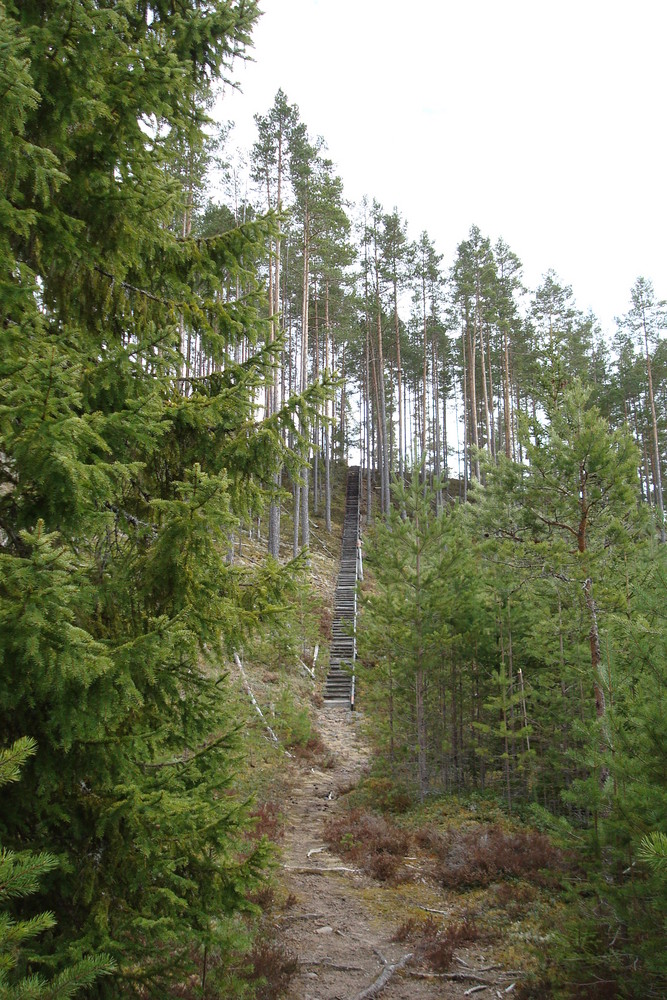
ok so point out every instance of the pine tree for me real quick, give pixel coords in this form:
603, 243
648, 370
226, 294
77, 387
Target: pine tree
271, 159
405, 629
20, 874
644, 320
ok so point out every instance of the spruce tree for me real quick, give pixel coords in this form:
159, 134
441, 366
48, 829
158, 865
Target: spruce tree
20, 874
124, 473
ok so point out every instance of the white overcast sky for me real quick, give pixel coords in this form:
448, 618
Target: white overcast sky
540, 122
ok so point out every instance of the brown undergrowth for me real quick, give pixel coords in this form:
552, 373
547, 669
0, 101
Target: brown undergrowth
478, 855
272, 967
435, 943
372, 842
482, 854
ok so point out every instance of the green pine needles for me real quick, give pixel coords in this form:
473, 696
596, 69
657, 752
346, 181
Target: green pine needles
133, 354
20, 875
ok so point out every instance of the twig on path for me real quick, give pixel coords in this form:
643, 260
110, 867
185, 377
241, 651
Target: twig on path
376, 988
306, 870
429, 909
484, 968
457, 977
474, 989
332, 965
301, 916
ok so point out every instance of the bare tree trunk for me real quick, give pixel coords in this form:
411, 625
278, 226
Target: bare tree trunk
509, 450
274, 293
465, 418
305, 521
492, 411
657, 474
472, 350
436, 422
482, 352
424, 377
327, 443
316, 428
296, 491
368, 423
384, 458
399, 379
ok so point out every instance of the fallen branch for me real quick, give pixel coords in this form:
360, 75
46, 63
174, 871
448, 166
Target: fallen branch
474, 989
376, 988
248, 691
457, 977
485, 968
429, 909
332, 965
301, 916
305, 870
311, 673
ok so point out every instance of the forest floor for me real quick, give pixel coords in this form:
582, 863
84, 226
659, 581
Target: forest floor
340, 922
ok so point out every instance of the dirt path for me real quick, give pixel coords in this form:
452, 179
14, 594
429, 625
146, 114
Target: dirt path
340, 938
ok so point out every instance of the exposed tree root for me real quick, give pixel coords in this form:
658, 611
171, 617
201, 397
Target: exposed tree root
376, 988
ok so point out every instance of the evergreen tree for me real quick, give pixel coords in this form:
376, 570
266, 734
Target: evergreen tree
19, 877
120, 490
645, 319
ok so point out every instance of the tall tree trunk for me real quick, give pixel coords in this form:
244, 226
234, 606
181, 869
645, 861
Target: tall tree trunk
424, 376
509, 450
296, 492
472, 351
399, 377
327, 449
482, 353
465, 417
316, 427
436, 422
305, 519
384, 456
274, 509
656, 447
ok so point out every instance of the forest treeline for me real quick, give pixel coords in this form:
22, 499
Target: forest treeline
177, 373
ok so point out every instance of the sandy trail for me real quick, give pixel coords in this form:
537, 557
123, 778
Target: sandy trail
340, 942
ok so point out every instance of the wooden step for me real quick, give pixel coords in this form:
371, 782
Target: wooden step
339, 685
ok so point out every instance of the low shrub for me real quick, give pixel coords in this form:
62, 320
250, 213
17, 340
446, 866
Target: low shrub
294, 728
374, 843
266, 822
481, 855
272, 968
386, 795
435, 945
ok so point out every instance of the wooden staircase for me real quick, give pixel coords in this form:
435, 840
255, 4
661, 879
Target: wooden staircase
339, 686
